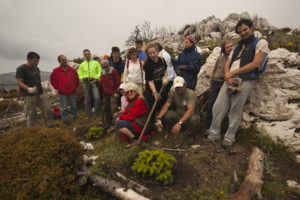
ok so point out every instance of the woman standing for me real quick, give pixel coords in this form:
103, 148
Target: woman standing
217, 80
156, 76
189, 62
133, 71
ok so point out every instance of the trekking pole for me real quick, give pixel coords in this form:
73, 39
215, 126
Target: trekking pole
151, 112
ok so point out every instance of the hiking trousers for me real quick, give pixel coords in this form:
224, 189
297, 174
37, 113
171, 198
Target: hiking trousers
234, 104
31, 104
110, 107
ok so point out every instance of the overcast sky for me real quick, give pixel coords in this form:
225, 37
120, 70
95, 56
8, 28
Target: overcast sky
53, 27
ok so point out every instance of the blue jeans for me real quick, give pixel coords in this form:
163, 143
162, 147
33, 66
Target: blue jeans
92, 93
64, 100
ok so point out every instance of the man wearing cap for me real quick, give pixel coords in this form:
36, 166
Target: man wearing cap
89, 73
240, 71
189, 62
184, 116
116, 61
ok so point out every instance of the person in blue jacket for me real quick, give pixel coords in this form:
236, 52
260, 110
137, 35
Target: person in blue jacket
189, 62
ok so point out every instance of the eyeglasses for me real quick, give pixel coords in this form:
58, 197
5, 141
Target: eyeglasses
130, 91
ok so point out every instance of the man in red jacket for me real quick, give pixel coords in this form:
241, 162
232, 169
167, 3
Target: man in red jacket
110, 82
65, 79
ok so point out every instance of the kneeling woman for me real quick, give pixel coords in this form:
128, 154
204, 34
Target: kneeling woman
131, 121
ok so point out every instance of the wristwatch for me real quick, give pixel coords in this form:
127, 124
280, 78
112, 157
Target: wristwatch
180, 122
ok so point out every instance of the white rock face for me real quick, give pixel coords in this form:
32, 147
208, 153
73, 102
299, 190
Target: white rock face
216, 35
203, 82
274, 103
47, 87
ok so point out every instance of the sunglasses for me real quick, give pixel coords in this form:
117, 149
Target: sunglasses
130, 91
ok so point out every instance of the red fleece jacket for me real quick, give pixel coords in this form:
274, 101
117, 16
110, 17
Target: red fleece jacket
139, 108
65, 82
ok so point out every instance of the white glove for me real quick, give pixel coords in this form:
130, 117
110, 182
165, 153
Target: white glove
165, 81
32, 90
159, 125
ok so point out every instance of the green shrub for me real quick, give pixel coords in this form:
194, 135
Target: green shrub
13, 91
7, 106
155, 163
95, 132
39, 164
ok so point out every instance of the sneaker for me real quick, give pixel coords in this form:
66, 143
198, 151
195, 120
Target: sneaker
226, 144
67, 122
210, 140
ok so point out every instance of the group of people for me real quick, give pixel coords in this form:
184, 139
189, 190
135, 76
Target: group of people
149, 78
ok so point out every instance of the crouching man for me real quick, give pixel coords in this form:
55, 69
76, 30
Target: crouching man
241, 69
184, 116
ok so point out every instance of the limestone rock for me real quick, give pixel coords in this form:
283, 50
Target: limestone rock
292, 184
203, 82
216, 35
258, 34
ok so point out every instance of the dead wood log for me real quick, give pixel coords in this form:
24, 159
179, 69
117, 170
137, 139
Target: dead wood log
114, 188
134, 185
252, 184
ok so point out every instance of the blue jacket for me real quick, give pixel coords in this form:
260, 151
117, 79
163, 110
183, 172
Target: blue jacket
192, 62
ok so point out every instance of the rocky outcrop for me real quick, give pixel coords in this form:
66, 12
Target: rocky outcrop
274, 104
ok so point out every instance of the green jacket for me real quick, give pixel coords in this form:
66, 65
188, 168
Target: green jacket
89, 69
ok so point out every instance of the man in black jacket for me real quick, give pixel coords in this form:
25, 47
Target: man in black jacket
241, 69
116, 61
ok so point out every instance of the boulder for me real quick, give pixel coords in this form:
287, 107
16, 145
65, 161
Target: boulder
203, 76
215, 35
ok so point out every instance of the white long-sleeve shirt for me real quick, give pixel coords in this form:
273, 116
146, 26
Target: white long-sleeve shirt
134, 73
170, 69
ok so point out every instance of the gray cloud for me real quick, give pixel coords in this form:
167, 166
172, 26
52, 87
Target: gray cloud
69, 26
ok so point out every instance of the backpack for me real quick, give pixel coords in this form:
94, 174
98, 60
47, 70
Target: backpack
263, 65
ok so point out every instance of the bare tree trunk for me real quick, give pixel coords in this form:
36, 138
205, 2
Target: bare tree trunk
254, 175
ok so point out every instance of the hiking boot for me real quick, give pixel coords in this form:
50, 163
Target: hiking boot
190, 139
226, 144
209, 140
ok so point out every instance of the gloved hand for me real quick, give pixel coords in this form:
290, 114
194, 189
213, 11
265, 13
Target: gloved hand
165, 81
32, 90
158, 125
156, 96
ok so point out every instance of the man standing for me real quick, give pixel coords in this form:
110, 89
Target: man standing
184, 116
65, 79
139, 47
241, 69
29, 80
116, 61
110, 82
89, 73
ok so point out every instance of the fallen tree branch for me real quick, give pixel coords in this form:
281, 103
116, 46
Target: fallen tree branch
134, 185
114, 188
252, 184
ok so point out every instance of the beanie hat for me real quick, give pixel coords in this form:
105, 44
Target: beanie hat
191, 39
115, 49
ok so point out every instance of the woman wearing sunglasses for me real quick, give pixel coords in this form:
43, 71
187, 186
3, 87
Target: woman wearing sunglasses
130, 123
